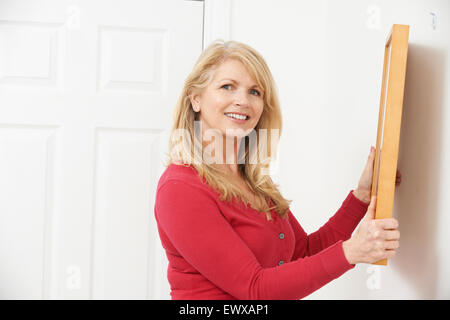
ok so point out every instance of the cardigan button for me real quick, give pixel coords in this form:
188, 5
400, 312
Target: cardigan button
280, 262
281, 236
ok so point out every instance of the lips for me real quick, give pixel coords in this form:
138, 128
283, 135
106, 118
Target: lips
237, 115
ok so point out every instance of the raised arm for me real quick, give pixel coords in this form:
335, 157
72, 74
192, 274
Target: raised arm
192, 222
338, 228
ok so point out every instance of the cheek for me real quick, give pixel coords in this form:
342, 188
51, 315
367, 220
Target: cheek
210, 105
217, 103
259, 110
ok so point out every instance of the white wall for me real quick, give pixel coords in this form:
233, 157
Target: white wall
327, 58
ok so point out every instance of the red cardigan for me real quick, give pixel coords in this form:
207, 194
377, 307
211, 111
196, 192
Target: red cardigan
225, 250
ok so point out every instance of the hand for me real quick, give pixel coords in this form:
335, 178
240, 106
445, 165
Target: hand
374, 240
364, 188
365, 182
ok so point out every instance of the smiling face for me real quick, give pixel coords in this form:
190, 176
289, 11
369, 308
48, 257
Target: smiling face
231, 101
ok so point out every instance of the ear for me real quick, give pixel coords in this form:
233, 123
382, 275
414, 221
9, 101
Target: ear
195, 102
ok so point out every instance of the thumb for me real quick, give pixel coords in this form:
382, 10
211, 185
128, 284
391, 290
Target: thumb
370, 159
370, 214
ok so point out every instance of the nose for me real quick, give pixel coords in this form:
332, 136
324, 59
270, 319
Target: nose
241, 98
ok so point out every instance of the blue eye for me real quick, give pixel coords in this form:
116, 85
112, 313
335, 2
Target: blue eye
253, 91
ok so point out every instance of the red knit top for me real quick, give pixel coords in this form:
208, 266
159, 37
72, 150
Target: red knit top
225, 250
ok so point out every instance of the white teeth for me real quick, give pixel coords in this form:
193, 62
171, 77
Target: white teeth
237, 116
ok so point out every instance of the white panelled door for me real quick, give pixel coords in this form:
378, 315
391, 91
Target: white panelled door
87, 90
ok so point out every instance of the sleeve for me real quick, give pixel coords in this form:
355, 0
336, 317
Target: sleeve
194, 224
338, 228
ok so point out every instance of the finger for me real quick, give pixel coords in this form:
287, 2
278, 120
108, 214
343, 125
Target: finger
391, 245
389, 235
371, 157
389, 254
372, 151
370, 214
387, 224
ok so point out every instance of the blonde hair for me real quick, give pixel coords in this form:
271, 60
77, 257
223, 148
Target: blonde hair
255, 173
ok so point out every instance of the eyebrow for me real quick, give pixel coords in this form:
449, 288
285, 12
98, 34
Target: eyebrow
232, 80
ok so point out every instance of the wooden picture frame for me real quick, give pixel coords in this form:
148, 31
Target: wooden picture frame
389, 121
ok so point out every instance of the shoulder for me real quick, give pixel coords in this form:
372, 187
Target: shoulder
182, 177
181, 190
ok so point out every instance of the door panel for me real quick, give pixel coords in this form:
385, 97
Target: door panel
87, 91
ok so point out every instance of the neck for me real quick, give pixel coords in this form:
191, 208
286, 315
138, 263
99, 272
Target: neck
227, 160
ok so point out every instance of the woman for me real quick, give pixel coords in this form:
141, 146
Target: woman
227, 230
